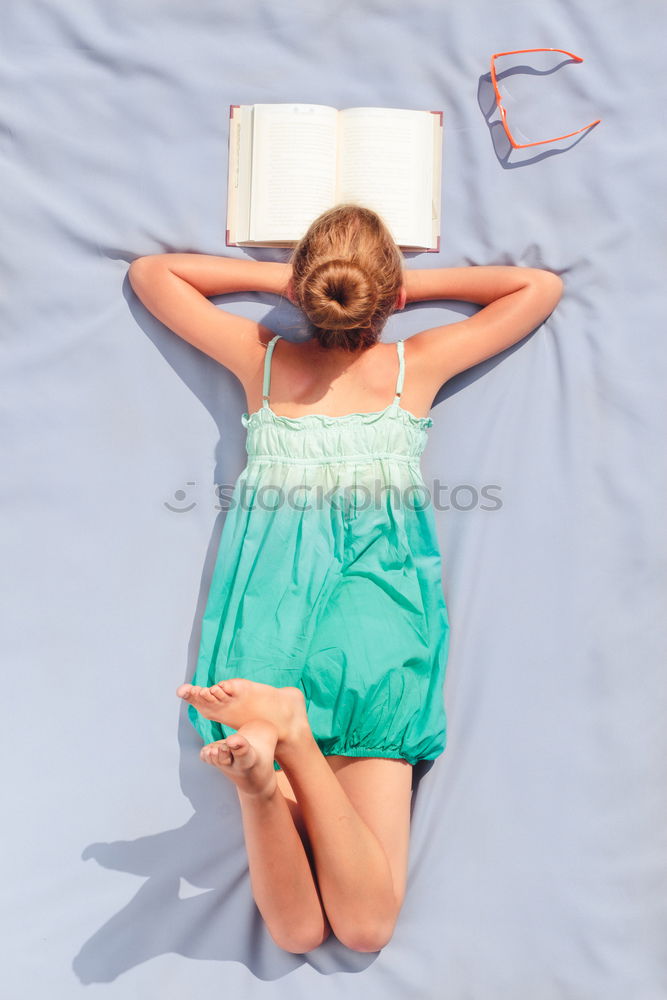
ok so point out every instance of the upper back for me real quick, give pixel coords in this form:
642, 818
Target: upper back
294, 384
389, 434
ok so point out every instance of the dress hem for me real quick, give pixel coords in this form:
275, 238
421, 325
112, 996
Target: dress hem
372, 752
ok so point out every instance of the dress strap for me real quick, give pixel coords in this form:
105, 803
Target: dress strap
267, 370
401, 371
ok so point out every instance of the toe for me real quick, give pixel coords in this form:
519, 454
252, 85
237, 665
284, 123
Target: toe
235, 685
217, 754
218, 692
238, 745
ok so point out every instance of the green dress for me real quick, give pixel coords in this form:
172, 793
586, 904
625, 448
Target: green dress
328, 577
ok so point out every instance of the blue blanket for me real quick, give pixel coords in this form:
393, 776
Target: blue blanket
537, 866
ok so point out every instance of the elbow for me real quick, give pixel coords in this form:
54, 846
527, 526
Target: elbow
141, 262
139, 269
558, 286
552, 279
550, 287
556, 280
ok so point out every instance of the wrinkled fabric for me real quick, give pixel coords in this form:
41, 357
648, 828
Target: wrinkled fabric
328, 577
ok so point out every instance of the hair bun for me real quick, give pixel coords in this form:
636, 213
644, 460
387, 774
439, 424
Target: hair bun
338, 295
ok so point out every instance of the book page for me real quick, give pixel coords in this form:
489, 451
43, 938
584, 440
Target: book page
385, 162
293, 168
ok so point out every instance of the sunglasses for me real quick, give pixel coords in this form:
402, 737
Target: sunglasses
503, 112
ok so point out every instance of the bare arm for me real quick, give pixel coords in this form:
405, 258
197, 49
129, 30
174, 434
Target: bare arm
175, 287
211, 275
516, 300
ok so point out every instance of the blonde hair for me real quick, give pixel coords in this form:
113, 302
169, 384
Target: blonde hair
346, 273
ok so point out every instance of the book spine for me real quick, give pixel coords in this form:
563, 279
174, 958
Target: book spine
436, 248
232, 180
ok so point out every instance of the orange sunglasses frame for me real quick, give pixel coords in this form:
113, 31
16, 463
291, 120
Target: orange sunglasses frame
503, 112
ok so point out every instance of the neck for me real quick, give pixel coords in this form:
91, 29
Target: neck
337, 355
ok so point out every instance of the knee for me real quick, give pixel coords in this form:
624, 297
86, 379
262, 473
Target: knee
366, 937
300, 941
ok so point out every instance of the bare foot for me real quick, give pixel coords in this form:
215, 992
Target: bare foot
238, 700
247, 758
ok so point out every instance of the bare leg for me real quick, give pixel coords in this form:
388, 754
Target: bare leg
281, 877
353, 869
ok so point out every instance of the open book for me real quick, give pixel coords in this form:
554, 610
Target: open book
288, 163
